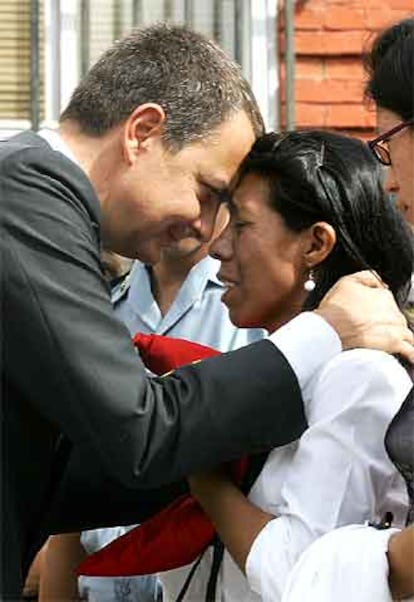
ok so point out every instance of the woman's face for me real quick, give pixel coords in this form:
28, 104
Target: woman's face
263, 264
400, 175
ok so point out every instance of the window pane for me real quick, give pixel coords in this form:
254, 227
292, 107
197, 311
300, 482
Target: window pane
15, 60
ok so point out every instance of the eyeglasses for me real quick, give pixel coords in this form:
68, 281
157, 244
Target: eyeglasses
378, 145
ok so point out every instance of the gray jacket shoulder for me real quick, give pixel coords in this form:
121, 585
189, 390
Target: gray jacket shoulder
27, 159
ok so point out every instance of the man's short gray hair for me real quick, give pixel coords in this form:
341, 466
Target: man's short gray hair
189, 76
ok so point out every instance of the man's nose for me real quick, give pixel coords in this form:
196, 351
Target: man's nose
222, 247
204, 225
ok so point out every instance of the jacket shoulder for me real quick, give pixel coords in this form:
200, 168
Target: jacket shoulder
32, 174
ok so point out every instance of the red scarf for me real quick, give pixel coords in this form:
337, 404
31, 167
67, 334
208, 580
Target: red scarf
179, 533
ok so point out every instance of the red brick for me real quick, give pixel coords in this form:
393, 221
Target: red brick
328, 4
332, 4
407, 5
307, 68
310, 115
330, 42
380, 18
345, 68
308, 17
343, 17
330, 36
349, 116
328, 91
352, 4
377, 4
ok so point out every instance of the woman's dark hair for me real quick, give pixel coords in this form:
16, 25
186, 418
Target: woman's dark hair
322, 176
390, 67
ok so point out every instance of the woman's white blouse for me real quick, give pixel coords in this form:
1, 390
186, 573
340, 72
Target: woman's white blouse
347, 564
337, 474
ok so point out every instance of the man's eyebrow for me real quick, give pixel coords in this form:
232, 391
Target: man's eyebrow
220, 190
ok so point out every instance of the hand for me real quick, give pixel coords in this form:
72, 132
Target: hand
364, 314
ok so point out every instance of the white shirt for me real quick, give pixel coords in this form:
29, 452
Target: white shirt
55, 140
197, 312
337, 474
346, 565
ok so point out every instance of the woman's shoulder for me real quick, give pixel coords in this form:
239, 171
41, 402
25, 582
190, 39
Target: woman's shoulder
364, 363
362, 377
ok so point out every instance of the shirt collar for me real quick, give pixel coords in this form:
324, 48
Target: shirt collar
211, 266
55, 140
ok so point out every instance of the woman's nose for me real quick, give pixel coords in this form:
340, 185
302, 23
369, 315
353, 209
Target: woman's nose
222, 247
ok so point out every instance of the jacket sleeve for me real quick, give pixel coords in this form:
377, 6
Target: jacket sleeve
76, 364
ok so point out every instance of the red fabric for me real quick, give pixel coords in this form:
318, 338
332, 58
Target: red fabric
163, 354
174, 537
178, 534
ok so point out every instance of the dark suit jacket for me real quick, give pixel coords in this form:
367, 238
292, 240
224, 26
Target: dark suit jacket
86, 436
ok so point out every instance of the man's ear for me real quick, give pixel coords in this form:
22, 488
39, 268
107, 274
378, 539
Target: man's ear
320, 241
143, 125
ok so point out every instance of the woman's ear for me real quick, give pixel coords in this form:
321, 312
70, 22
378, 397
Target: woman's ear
144, 124
320, 241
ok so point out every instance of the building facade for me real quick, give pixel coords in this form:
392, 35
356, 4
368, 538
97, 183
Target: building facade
302, 57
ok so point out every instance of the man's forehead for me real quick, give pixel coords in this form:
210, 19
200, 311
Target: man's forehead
223, 169
234, 133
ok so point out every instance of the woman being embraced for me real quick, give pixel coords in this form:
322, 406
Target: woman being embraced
359, 562
307, 208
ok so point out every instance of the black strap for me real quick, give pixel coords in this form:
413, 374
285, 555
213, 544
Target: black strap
218, 551
189, 578
256, 464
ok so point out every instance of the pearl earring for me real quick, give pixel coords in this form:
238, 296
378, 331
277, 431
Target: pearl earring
309, 284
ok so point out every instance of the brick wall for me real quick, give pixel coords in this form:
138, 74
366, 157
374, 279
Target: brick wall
330, 36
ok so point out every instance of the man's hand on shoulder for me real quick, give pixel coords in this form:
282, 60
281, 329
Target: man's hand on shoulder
364, 314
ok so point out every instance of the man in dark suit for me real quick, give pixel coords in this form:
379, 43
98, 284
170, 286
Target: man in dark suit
145, 153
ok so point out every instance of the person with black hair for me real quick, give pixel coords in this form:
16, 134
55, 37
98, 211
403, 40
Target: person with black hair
308, 208
390, 66
360, 562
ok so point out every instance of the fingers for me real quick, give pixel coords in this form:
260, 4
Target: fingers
408, 336
406, 350
397, 319
401, 341
364, 313
368, 278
